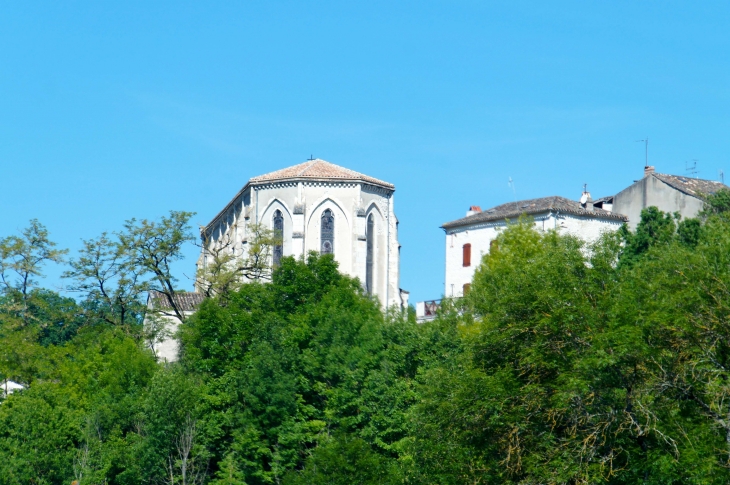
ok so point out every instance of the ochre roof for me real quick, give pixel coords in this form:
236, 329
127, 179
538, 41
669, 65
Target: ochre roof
533, 206
319, 170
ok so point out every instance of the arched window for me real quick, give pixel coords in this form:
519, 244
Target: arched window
327, 233
278, 237
467, 255
369, 260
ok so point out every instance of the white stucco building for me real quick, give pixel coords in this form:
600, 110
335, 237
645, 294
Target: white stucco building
7, 387
469, 238
322, 207
167, 346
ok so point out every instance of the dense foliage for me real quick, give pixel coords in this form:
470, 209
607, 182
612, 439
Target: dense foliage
566, 363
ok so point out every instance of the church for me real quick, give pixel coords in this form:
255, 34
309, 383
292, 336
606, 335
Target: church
322, 207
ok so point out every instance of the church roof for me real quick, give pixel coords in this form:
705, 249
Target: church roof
318, 170
694, 187
511, 210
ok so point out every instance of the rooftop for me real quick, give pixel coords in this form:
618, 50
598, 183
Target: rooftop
690, 186
187, 301
512, 210
318, 169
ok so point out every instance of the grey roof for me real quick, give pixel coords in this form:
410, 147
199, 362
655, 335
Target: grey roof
608, 198
694, 187
511, 210
187, 301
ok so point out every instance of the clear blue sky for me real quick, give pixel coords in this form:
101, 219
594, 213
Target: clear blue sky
109, 112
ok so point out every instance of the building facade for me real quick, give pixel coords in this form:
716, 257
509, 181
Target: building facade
167, 346
471, 237
322, 207
669, 193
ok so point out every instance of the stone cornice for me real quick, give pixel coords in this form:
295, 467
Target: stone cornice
293, 182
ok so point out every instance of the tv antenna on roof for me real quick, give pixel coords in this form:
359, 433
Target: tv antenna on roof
311, 157
721, 172
691, 169
511, 185
646, 150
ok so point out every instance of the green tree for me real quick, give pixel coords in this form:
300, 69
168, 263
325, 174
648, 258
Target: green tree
570, 370
152, 247
223, 271
290, 361
717, 203
228, 472
654, 228
105, 274
22, 259
346, 460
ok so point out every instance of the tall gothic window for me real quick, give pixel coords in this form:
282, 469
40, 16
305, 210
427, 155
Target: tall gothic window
370, 241
278, 237
327, 232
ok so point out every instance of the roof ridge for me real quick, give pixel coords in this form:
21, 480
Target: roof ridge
687, 177
308, 166
537, 205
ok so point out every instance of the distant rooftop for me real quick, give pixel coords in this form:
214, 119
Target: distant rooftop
690, 186
187, 301
512, 210
318, 169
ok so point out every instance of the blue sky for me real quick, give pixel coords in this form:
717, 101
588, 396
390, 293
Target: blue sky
113, 111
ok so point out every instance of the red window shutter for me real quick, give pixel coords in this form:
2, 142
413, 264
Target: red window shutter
467, 254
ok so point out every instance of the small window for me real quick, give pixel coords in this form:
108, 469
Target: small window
466, 288
467, 255
493, 245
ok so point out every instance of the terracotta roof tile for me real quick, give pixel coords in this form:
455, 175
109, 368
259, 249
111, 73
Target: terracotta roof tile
318, 169
533, 206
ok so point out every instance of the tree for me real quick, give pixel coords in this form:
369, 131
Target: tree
223, 271
655, 227
228, 472
24, 257
346, 460
717, 203
152, 246
290, 361
184, 464
105, 274
570, 370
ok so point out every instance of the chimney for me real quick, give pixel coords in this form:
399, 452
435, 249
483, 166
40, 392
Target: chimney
648, 170
475, 209
586, 201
